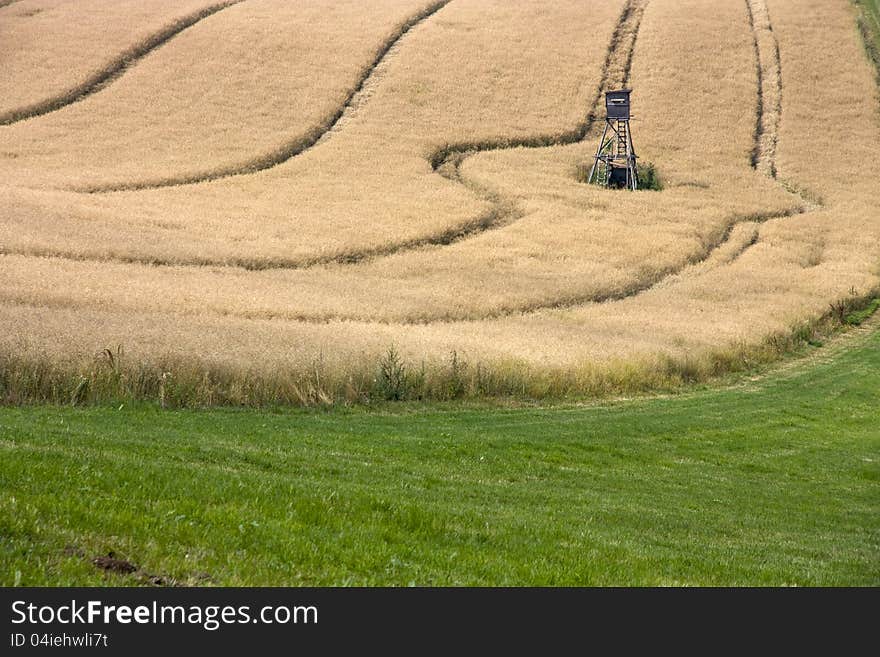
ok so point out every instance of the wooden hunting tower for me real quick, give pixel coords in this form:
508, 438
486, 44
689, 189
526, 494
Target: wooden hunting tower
615, 162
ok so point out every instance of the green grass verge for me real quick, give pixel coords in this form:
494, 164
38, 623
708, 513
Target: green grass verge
774, 481
857, 317
868, 18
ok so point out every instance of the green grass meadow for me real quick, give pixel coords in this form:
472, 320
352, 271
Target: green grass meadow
768, 481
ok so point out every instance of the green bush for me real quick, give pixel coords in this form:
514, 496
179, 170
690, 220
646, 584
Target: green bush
648, 177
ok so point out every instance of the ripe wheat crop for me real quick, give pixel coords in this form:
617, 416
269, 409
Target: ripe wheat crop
433, 203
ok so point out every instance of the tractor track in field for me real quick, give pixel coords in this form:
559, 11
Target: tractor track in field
450, 236
705, 258
113, 69
769, 73
302, 143
768, 70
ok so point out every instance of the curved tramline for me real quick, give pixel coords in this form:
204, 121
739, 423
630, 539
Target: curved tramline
440, 211
238, 112
112, 69
297, 146
768, 67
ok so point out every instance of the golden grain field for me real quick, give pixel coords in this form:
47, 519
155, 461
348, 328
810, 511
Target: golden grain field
265, 195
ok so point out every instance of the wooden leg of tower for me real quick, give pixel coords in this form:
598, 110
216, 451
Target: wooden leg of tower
635, 165
593, 169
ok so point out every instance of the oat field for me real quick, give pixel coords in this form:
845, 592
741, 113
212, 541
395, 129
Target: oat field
258, 201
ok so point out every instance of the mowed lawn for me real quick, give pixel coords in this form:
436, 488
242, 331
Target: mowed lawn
771, 481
